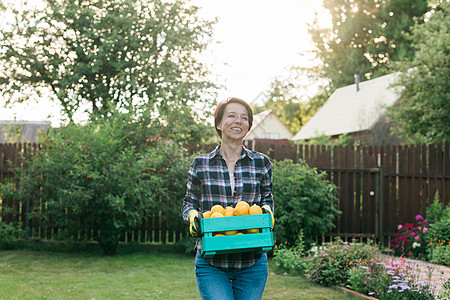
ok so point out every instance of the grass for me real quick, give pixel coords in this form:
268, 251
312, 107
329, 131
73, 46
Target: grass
154, 275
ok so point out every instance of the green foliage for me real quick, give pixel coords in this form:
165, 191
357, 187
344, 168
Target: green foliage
445, 294
186, 245
365, 36
440, 255
343, 140
305, 200
103, 178
437, 209
439, 232
422, 113
9, 233
291, 260
331, 262
285, 98
388, 281
106, 55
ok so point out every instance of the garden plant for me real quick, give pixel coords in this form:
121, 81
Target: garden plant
305, 201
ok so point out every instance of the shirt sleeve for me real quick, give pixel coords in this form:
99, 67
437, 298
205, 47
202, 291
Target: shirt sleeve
267, 185
192, 197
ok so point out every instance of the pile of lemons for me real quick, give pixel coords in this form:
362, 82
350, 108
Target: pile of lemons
241, 208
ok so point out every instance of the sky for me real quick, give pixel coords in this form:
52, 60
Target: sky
253, 42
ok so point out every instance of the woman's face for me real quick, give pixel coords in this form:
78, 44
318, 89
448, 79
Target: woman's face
234, 124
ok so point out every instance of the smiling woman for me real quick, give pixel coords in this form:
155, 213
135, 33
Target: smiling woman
226, 176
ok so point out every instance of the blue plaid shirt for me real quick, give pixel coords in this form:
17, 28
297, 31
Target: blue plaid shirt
209, 184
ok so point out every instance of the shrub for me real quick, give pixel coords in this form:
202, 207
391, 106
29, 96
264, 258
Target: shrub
330, 265
440, 255
99, 179
389, 281
439, 232
291, 259
9, 232
439, 242
411, 239
437, 210
304, 200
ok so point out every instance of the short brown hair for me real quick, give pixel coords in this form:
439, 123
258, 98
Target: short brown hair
220, 110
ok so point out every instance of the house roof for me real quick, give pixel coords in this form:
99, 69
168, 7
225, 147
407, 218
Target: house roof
348, 110
22, 131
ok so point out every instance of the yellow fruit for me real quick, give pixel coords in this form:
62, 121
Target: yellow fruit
218, 208
255, 230
231, 232
217, 215
207, 214
255, 210
229, 208
240, 210
239, 232
243, 203
229, 213
218, 234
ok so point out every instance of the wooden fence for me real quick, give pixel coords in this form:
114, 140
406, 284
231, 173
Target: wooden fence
379, 187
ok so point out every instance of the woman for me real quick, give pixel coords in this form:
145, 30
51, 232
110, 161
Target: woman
225, 176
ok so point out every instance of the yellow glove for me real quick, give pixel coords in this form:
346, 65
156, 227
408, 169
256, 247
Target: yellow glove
194, 223
266, 209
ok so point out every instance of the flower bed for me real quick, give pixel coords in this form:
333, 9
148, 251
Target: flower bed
362, 268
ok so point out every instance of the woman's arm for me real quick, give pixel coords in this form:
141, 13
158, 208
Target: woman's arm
191, 200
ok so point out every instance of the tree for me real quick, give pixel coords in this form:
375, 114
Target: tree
106, 54
423, 111
287, 98
366, 35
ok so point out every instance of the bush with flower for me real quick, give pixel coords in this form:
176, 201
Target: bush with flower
439, 233
330, 264
389, 281
411, 241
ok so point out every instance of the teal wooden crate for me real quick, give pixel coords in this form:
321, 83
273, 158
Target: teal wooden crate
258, 242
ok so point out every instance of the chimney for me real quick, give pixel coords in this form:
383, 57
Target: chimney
357, 80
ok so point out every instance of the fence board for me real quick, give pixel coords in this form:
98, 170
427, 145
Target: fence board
446, 161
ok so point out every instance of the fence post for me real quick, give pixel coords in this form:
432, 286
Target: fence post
379, 198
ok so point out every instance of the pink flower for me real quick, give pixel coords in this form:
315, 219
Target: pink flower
419, 217
417, 237
425, 229
400, 227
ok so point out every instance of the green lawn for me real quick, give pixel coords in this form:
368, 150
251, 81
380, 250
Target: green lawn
154, 275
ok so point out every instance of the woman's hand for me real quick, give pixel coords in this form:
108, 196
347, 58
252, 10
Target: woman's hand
194, 223
266, 209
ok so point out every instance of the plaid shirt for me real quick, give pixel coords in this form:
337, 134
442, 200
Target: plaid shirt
209, 184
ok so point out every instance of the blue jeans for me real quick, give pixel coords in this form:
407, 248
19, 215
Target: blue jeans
244, 284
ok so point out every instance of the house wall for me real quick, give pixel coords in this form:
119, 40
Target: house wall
270, 128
